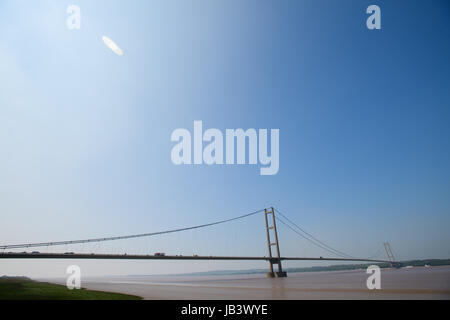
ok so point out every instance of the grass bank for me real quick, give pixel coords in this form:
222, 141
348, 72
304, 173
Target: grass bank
27, 289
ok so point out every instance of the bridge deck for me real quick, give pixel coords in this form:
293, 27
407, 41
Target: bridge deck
93, 256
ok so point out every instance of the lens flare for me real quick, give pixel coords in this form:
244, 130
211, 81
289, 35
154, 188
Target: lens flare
113, 46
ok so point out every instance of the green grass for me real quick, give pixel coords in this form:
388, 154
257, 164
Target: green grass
26, 289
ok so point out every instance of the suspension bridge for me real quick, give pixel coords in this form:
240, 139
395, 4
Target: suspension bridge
274, 257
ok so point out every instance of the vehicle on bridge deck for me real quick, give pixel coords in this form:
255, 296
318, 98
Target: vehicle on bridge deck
160, 254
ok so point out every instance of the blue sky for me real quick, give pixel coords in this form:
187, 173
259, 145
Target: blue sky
363, 118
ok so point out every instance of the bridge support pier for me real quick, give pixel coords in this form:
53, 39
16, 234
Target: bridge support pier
277, 259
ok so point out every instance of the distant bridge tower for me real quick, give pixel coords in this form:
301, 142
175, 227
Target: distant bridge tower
273, 259
387, 247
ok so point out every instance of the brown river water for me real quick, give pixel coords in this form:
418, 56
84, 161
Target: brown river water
405, 283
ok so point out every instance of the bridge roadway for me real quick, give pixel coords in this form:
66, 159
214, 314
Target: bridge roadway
92, 256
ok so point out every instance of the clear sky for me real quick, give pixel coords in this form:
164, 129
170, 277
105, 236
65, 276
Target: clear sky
85, 134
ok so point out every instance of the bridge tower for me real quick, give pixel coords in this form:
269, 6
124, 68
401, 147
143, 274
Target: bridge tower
271, 224
387, 247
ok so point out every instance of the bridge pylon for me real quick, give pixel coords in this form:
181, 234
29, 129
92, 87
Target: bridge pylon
387, 247
271, 224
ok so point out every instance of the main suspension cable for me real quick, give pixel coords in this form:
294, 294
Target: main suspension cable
306, 235
59, 243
